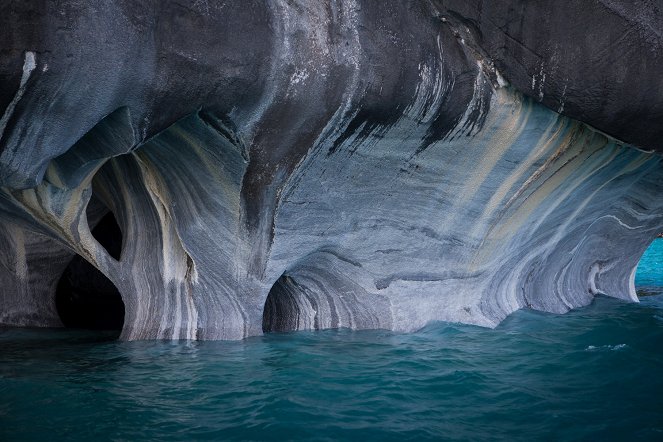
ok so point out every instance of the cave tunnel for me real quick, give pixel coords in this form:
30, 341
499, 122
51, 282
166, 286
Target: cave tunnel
85, 298
282, 309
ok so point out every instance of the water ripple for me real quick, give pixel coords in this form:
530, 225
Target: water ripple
593, 373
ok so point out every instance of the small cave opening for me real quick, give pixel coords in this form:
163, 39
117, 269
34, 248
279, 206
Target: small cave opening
106, 230
85, 298
283, 307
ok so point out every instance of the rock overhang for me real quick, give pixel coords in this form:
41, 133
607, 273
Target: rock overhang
348, 164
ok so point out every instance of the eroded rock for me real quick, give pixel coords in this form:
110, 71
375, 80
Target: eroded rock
294, 165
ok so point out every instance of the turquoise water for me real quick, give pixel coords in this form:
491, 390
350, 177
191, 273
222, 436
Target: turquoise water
650, 269
593, 374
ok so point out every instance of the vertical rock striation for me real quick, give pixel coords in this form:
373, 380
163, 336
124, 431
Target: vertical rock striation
362, 165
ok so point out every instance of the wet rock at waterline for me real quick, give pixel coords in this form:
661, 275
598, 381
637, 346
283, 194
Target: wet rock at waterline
293, 165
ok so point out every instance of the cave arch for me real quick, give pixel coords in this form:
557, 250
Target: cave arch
287, 307
648, 278
323, 293
85, 298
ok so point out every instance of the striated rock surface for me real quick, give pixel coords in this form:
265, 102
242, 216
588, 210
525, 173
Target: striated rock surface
291, 165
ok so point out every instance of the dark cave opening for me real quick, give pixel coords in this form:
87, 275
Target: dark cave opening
282, 306
85, 298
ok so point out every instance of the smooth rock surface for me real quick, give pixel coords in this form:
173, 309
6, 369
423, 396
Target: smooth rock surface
297, 165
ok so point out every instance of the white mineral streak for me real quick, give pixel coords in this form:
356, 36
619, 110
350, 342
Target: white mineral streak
29, 64
177, 272
471, 229
531, 209
542, 81
562, 99
516, 206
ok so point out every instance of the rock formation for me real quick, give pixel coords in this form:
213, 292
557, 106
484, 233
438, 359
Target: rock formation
284, 165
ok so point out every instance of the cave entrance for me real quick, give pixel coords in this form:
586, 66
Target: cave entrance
282, 306
649, 274
85, 298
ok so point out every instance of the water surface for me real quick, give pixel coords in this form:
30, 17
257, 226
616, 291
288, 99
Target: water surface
594, 373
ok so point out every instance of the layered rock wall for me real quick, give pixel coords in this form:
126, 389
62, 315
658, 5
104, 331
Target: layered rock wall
359, 165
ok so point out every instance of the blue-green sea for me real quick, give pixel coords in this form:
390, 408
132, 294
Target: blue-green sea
593, 374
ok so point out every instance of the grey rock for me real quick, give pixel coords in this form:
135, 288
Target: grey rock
305, 165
